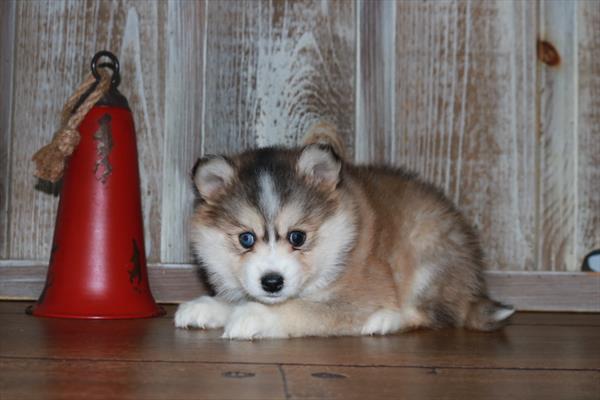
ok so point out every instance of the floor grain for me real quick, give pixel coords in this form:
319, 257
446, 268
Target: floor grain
61, 379
439, 383
540, 355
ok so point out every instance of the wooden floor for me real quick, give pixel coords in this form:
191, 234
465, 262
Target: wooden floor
539, 356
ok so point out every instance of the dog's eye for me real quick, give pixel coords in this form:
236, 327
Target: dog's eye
247, 239
296, 238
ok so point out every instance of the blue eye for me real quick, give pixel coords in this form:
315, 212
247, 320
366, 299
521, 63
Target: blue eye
297, 238
247, 239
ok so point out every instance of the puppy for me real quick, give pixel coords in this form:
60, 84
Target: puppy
299, 242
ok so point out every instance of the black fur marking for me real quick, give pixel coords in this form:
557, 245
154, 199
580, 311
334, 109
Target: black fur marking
278, 164
197, 164
267, 160
442, 315
203, 276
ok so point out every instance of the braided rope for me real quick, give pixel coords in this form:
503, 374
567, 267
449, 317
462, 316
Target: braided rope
50, 160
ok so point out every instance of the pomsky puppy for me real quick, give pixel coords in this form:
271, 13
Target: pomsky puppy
299, 242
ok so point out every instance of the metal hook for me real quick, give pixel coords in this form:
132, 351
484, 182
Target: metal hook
113, 64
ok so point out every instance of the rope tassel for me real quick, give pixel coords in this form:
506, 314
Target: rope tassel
51, 159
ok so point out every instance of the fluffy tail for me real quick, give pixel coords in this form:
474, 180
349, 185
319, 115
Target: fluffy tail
326, 133
487, 315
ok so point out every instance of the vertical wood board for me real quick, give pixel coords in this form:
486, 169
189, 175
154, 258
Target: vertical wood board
587, 230
465, 115
276, 67
7, 36
55, 42
375, 96
558, 136
183, 123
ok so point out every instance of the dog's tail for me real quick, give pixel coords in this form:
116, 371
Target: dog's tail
488, 315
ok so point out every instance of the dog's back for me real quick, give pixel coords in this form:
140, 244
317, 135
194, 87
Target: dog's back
434, 255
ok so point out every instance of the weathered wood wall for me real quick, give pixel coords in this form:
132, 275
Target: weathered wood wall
495, 101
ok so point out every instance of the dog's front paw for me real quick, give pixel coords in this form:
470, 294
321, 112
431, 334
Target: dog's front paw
253, 321
204, 312
383, 322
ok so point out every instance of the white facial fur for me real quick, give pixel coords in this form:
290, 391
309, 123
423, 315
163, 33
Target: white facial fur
271, 258
337, 236
269, 199
212, 247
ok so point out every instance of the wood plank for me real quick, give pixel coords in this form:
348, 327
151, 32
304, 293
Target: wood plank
169, 283
558, 135
587, 231
102, 359
54, 43
517, 346
438, 383
58, 379
546, 291
19, 306
520, 318
375, 68
183, 123
25, 379
527, 291
553, 319
276, 67
465, 116
7, 36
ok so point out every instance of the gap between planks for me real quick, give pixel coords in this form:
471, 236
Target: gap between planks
290, 364
522, 318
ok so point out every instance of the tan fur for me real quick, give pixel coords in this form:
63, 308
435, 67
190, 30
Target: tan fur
383, 251
415, 262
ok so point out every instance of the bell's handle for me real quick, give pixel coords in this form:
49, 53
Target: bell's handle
113, 65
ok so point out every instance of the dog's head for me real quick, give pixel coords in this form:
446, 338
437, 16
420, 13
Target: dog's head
272, 224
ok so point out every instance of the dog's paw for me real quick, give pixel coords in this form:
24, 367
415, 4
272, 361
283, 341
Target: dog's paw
205, 312
253, 321
383, 322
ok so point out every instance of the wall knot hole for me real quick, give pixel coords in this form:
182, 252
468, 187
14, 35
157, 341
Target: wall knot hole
547, 53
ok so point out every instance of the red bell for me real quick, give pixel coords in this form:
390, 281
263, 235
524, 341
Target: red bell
98, 264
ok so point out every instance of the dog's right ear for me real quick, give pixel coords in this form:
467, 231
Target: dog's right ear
211, 175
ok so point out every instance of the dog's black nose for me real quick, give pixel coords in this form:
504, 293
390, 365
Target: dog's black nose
272, 282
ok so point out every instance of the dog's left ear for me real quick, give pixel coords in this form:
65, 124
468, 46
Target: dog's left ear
320, 165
